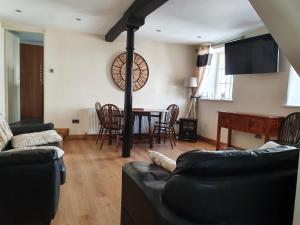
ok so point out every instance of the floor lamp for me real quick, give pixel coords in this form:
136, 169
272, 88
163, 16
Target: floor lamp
191, 83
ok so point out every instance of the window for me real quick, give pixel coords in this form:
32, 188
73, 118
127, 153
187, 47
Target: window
293, 95
216, 85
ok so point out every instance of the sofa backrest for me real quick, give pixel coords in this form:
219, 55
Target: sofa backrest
5, 133
234, 187
235, 162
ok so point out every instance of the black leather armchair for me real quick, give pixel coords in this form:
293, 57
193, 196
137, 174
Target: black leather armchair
30, 182
213, 188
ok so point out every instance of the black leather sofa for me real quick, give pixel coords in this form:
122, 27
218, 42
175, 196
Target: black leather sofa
30, 182
213, 188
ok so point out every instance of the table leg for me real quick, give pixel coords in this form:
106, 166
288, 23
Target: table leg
140, 127
267, 138
229, 138
218, 138
267, 134
150, 132
159, 124
133, 121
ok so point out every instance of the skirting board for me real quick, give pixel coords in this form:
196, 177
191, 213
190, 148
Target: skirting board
214, 142
82, 137
64, 132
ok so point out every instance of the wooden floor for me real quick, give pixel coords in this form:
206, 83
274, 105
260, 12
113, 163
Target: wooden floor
92, 193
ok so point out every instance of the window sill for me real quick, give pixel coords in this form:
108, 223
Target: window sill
215, 100
291, 106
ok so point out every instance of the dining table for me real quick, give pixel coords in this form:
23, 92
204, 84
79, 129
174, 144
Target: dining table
149, 114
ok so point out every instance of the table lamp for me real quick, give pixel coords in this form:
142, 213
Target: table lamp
191, 82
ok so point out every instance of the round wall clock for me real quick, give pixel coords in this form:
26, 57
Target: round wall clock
140, 71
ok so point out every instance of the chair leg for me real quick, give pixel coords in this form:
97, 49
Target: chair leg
117, 139
165, 134
174, 136
153, 133
99, 134
103, 138
170, 137
110, 138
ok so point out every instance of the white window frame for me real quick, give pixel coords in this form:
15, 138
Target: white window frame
218, 52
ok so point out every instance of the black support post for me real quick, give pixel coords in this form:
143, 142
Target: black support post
128, 117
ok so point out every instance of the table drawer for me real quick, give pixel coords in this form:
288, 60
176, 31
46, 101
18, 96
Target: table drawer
234, 122
257, 126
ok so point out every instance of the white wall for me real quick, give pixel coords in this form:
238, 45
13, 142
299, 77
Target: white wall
2, 80
82, 64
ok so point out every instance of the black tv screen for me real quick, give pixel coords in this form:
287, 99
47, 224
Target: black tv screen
252, 55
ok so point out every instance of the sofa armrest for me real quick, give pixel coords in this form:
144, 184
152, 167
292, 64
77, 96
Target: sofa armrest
31, 186
142, 188
19, 157
31, 128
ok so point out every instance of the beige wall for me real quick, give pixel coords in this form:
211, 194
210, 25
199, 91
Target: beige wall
259, 93
82, 65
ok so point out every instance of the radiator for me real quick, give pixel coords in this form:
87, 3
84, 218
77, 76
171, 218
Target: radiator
89, 123
93, 122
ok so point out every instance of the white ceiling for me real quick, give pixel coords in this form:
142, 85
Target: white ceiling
180, 21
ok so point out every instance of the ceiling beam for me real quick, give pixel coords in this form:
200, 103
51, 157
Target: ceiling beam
134, 17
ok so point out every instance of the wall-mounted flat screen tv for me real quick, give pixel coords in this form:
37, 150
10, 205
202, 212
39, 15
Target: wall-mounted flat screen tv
251, 56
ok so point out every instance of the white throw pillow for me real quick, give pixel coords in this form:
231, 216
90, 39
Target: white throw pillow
35, 139
59, 151
162, 161
270, 144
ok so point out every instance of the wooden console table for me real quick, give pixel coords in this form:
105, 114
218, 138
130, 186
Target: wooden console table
250, 123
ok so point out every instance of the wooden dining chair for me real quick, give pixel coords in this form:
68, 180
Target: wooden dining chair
98, 111
289, 133
111, 123
167, 126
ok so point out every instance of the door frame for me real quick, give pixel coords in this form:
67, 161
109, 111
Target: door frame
20, 28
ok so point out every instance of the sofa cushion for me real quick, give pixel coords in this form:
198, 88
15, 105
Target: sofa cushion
36, 139
5, 133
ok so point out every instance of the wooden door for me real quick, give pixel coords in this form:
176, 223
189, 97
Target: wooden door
32, 81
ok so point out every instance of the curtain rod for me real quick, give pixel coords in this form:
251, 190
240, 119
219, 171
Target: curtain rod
228, 41
224, 42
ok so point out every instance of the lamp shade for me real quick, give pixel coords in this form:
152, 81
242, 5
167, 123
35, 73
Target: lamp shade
191, 82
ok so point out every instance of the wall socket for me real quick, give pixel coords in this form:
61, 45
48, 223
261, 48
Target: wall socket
258, 136
76, 121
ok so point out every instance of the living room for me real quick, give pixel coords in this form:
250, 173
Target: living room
182, 51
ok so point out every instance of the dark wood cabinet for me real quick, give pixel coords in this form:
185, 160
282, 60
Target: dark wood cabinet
250, 123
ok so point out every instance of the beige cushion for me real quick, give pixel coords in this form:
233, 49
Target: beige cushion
5, 133
162, 161
35, 139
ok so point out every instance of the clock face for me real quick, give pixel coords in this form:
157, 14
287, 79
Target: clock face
140, 71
